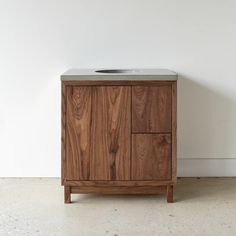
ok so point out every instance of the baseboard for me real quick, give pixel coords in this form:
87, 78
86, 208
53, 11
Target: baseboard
207, 167
191, 167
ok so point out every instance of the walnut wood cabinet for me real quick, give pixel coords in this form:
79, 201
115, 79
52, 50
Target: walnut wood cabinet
118, 134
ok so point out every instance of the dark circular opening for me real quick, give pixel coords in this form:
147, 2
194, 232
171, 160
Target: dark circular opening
113, 71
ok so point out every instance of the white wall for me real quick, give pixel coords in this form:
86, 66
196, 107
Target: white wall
41, 39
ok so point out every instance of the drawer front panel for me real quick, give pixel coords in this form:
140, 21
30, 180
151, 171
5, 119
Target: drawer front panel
151, 109
151, 157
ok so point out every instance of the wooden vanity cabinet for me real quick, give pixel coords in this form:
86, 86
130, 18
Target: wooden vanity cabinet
118, 137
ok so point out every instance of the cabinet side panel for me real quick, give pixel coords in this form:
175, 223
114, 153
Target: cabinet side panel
63, 131
110, 149
174, 131
151, 157
151, 109
78, 126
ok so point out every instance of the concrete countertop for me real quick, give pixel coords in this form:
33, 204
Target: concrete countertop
125, 74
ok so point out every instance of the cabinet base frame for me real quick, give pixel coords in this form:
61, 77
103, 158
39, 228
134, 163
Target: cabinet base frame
167, 190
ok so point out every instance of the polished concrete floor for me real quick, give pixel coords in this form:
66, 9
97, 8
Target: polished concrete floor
34, 206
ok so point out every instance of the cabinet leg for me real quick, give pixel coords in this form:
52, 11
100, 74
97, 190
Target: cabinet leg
67, 194
169, 193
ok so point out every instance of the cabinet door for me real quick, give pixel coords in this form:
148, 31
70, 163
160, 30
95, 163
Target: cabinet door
151, 157
78, 140
111, 130
151, 109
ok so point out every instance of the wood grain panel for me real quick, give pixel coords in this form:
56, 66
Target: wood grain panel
120, 190
174, 131
151, 109
130, 183
151, 157
78, 126
110, 149
63, 132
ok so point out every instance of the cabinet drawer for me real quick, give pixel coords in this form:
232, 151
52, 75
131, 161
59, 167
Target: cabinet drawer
151, 109
151, 157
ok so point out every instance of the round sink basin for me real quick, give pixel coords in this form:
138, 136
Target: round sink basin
115, 71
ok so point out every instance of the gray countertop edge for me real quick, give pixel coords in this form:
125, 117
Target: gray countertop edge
119, 77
